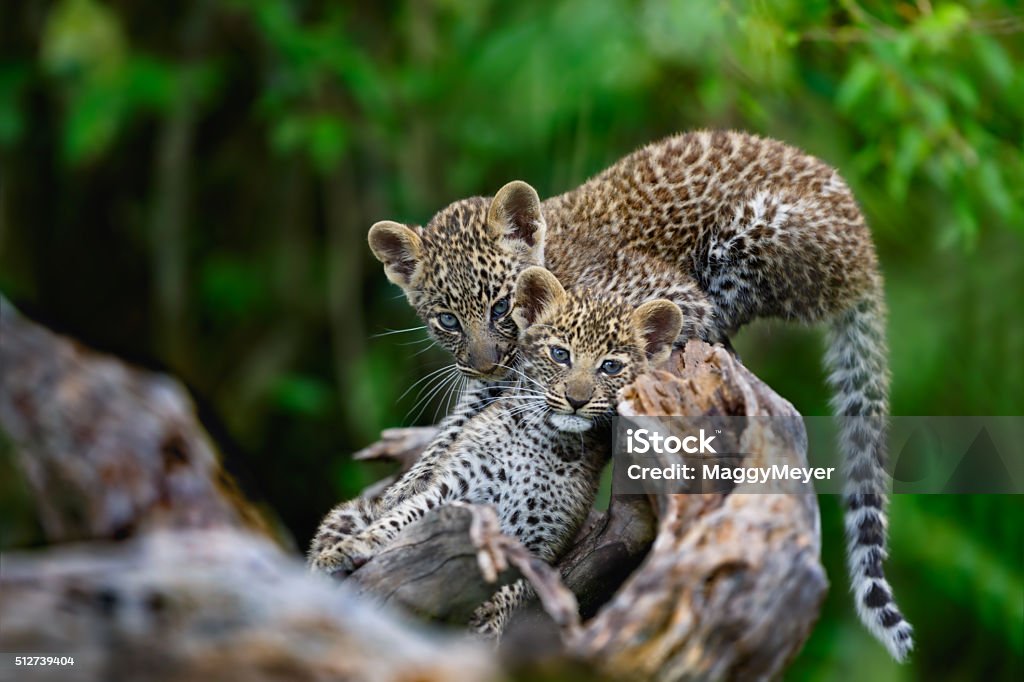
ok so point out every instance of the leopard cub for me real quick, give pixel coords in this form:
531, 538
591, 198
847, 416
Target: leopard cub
536, 451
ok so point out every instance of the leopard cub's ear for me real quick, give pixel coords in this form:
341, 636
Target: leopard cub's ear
515, 216
399, 248
659, 323
537, 291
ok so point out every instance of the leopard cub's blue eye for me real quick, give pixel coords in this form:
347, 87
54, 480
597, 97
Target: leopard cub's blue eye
448, 321
560, 355
500, 308
611, 367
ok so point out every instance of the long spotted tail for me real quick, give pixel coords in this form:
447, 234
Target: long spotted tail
859, 375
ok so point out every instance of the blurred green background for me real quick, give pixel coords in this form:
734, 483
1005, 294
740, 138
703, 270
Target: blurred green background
189, 185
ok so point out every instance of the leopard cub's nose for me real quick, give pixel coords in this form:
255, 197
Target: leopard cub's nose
575, 403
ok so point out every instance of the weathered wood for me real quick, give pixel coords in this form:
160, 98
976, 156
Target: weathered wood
733, 583
109, 450
609, 547
402, 445
212, 605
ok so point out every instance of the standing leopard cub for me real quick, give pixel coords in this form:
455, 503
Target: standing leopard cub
730, 227
535, 453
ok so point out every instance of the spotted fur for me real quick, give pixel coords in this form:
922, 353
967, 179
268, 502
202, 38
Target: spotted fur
529, 453
729, 226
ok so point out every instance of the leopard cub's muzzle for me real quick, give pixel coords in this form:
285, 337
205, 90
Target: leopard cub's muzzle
489, 359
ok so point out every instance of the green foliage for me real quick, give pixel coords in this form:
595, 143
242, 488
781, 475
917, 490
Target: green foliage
231, 286
84, 51
273, 133
303, 395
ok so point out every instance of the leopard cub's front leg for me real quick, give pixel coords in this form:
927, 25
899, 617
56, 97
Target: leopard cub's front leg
343, 557
360, 533
342, 543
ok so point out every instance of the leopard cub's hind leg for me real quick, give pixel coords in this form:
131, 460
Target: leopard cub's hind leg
491, 617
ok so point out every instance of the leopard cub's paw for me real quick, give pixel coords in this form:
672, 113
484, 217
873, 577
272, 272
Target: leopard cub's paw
343, 558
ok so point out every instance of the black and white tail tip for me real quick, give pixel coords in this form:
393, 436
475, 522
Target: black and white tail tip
865, 530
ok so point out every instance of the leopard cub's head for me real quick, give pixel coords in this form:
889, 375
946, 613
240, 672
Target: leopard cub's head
580, 349
460, 271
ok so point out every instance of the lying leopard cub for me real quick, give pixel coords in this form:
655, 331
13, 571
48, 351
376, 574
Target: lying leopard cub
534, 453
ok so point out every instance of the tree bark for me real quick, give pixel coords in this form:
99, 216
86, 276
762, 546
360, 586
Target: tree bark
214, 604
108, 450
696, 586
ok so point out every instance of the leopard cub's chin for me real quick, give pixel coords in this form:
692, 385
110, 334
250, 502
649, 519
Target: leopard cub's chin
573, 423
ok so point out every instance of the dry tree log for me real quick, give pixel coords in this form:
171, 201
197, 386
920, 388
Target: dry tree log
108, 449
699, 586
733, 583
196, 589
186, 605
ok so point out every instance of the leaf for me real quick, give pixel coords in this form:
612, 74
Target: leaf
81, 38
938, 29
93, 118
998, 65
966, 220
963, 91
857, 85
931, 107
974, 575
990, 179
911, 148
